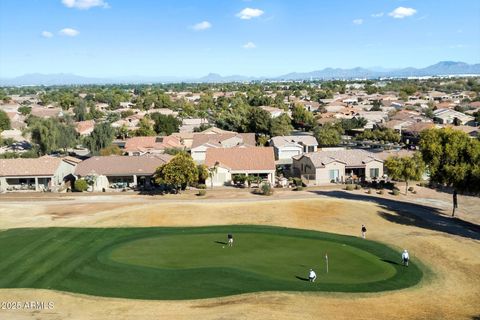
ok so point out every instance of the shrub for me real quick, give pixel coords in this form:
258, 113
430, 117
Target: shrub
414, 192
395, 192
369, 191
298, 182
201, 192
265, 190
357, 187
380, 191
202, 186
410, 189
299, 188
349, 187
81, 185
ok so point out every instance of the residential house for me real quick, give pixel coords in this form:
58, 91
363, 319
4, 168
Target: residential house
37, 174
337, 165
448, 116
274, 112
84, 128
204, 141
257, 161
188, 125
139, 146
286, 147
121, 171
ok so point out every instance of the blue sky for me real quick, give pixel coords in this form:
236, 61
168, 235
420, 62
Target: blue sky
187, 38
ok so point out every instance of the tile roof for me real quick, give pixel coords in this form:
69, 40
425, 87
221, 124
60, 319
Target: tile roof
121, 165
351, 158
43, 166
249, 158
306, 140
215, 140
145, 144
85, 127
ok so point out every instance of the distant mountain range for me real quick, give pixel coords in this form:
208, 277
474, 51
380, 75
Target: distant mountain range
443, 68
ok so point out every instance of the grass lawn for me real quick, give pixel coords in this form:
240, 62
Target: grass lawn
191, 263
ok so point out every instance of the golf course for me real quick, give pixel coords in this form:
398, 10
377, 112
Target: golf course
177, 263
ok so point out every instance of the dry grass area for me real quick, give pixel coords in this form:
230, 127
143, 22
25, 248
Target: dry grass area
452, 291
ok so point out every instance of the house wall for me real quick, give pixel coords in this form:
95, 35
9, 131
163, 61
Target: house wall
221, 177
373, 164
199, 153
287, 152
63, 170
31, 183
322, 175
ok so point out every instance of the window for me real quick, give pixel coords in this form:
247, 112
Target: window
333, 174
374, 172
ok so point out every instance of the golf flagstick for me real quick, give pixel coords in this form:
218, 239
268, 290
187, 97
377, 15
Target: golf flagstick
326, 260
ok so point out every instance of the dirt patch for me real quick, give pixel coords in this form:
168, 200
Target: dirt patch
450, 292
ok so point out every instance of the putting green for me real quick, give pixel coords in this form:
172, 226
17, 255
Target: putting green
269, 255
192, 263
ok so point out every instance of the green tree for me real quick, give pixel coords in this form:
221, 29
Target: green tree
327, 135
81, 185
302, 118
145, 128
165, 125
281, 126
111, 150
260, 121
52, 135
179, 172
452, 158
25, 110
405, 168
4, 121
354, 123
202, 173
101, 137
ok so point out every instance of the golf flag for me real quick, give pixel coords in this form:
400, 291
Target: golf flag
326, 260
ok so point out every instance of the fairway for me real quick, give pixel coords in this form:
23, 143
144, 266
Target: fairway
192, 263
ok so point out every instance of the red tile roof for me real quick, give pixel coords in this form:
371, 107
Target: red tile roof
122, 165
43, 166
145, 144
249, 158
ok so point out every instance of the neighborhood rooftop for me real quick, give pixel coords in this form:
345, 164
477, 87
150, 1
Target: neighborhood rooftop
121, 165
249, 158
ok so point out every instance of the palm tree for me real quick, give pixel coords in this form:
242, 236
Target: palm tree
213, 171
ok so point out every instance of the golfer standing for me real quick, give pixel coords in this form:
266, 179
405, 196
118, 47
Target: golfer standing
405, 257
312, 276
230, 240
364, 231
455, 202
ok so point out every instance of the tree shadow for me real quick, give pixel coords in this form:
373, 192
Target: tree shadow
390, 261
221, 242
413, 214
302, 278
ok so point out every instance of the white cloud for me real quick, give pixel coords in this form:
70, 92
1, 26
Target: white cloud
47, 34
69, 32
249, 45
249, 13
85, 4
204, 25
377, 15
357, 21
402, 12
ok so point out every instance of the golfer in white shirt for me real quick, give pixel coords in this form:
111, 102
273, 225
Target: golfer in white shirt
312, 276
405, 257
